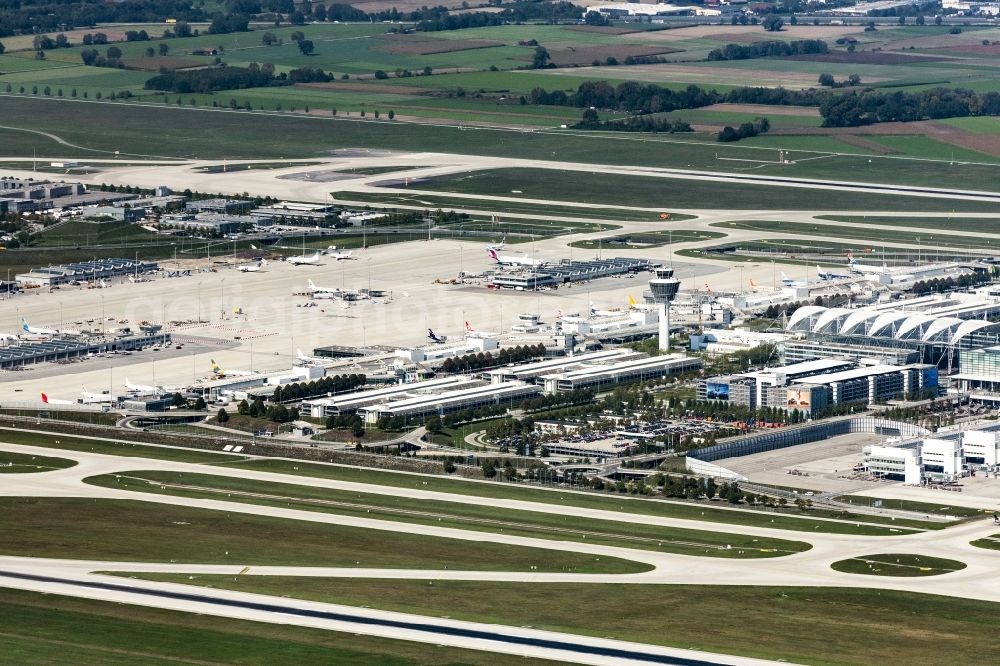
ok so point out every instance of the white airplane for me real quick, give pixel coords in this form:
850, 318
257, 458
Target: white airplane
864, 269
323, 290
53, 401
35, 330
435, 338
89, 398
789, 282
253, 268
594, 312
143, 388
827, 275
219, 372
513, 260
339, 255
498, 246
311, 360
304, 259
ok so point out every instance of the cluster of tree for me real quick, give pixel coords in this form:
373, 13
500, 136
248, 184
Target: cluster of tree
769, 49
439, 18
632, 124
28, 16
212, 79
94, 58
828, 81
179, 401
223, 24
745, 130
258, 410
872, 106
46, 43
561, 399
350, 422
640, 98
476, 414
471, 362
950, 283
317, 387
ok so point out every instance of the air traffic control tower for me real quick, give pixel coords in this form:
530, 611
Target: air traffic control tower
664, 287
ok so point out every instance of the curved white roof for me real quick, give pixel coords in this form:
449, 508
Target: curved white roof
831, 320
878, 323
805, 313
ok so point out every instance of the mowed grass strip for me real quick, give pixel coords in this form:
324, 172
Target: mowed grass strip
974, 224
123, 530
52, 629
21, 463
651, 507
897, 565
454, 515
648, 239
805, 625
125, 449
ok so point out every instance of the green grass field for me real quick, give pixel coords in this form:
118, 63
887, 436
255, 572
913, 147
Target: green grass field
52, 629
23, 463
910, 505
898, 565
928, 240
670, 509
648, 239
597, 188
971, 224
237, 135
122, 530
451, 514
128, 450
806, 625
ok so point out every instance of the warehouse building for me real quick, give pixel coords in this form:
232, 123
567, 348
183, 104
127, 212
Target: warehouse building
451, 400
567, 272
61, 350
349, 403
533, 372
600, 376
221, 206
753, 389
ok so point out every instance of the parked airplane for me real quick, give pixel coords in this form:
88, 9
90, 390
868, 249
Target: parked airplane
34, 330
53, 401
323, 290
339, 255
219, 372
594, 312
827, 275
89, 398
753, 284
513, 260
498, 246
437, 339
304, 259
789, 282
865, 269
143, 388
253, 268
311, 360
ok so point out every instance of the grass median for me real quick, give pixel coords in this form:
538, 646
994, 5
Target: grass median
455, 515
806, 625
701, 511
23, 463
52, 629
898, 565
107, 447
123, 530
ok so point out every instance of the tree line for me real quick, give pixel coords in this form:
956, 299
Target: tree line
471, 362
317, 387
27, 16
874, 106
653, 124
745, 130
232, 78
769, 49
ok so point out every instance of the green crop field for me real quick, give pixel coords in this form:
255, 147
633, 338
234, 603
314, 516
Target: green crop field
122, 530
23, 463
452, 514
808, 625
52, 629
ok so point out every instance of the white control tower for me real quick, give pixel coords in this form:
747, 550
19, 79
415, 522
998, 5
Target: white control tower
664, 287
